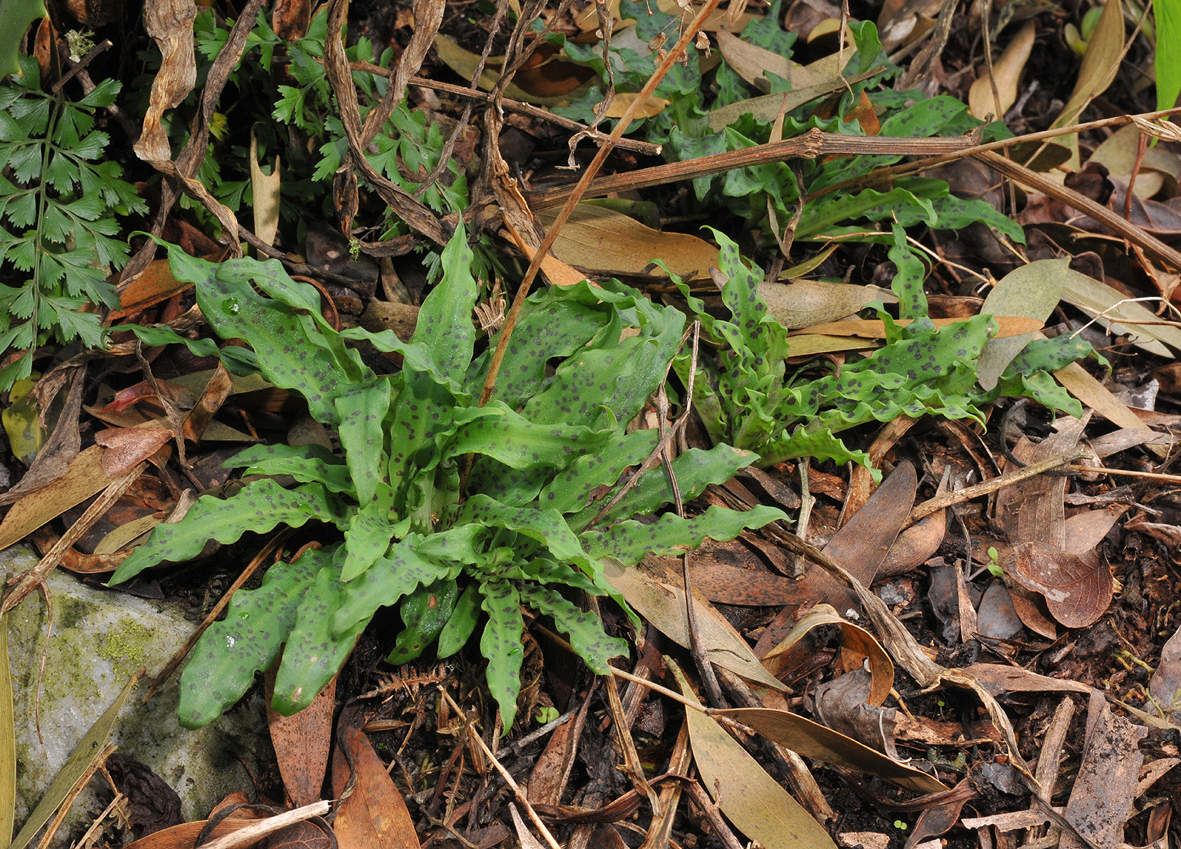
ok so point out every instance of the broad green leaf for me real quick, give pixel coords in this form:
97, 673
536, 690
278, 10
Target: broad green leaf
396, 574
313, 654
629, 541
366, 539
361, 414
160, 335
501, 644
248, 640
462, 623
305, 463
835, 208
583, 628
424, 614
288, 358
618, 376
15, 17
259, 507
694, 470
555, 323
569, 491
908, 280
518, 443
544, 525
445, 320
423, 410
1168, 53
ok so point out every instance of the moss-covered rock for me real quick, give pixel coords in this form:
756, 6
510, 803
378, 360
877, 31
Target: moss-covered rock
100, 638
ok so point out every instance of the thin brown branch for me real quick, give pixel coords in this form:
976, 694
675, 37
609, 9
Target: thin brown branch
939, 502
810, 145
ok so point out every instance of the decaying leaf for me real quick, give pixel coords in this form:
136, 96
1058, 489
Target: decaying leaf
170, 23
1077, 588
656, 594
607, 242
302, 743
857, 645
374, 815
750, 798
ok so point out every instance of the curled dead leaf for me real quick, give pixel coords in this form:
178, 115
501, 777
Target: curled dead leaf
1077, 588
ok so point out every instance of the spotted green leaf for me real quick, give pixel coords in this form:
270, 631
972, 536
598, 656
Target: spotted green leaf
670, 535
248, 640
260, 507
501, 644
288, 356
305, 463
583, 628
694, 470
313, 654
361, 413
462, 624
393, 576
424, 614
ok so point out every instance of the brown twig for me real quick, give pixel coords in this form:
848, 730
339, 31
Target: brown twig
505, 774
646, 148
810, 145
939, 502
1082, 203
82, 64
33, 578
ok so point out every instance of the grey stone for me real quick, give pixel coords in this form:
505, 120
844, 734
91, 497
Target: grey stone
99, 640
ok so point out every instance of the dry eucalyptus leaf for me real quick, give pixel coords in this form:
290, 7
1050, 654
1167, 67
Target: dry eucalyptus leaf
1077, 589
600, 239
749, 797
803, 303
1007, 73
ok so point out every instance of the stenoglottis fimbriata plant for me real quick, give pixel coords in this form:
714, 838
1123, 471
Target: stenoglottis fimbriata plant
581, 364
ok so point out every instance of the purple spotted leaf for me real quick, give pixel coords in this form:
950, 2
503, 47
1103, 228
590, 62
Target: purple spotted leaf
247, 641
462, 624
513, 440
313, 654
305, 463
556, 322
583, 628
366, 539
424, 613
260, 507
288, 356
570, 490
670, 535
399, 572
694, 470
361, 413
501, 644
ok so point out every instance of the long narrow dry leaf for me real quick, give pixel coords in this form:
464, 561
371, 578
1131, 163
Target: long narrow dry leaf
1007, 72
1105, 52
661, 600
265, 192
82, 762
33, 578
7, 740
747, 795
